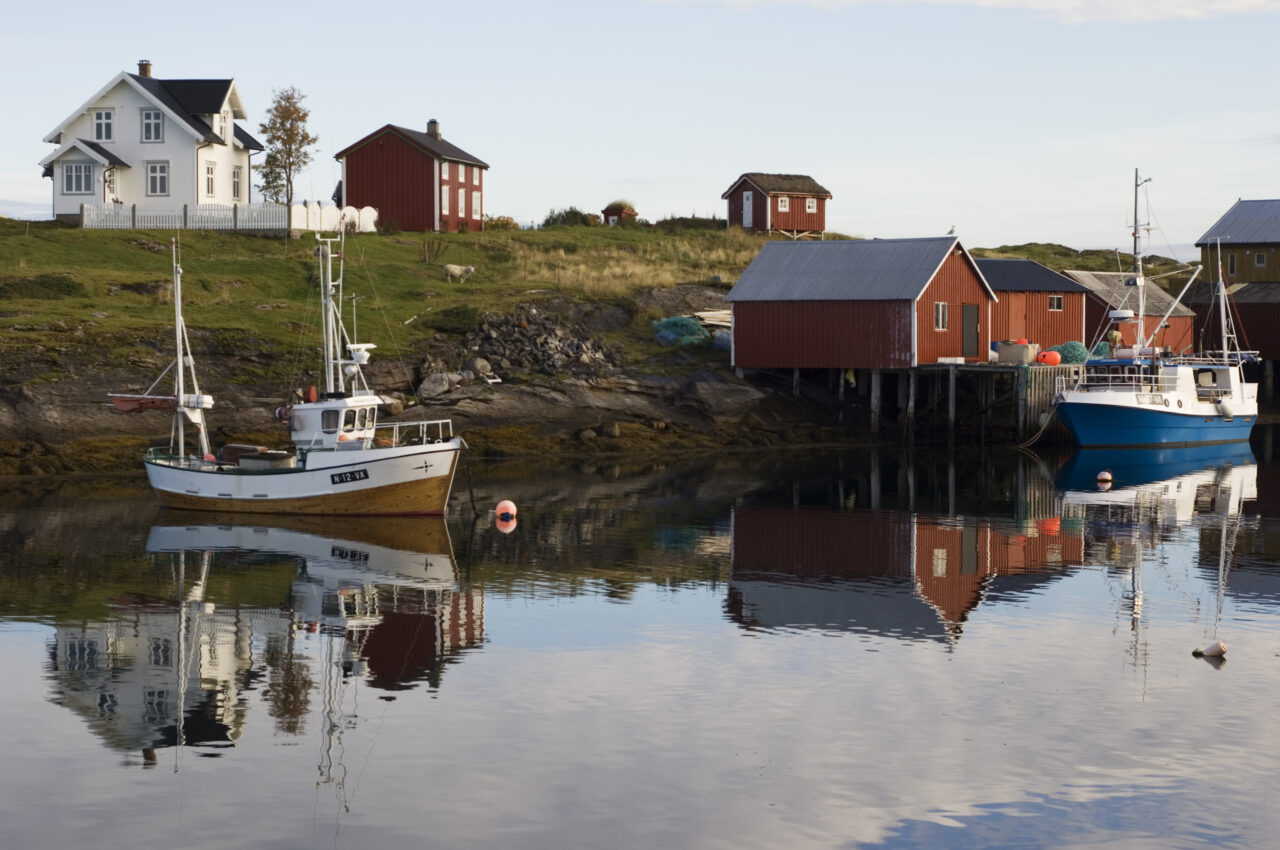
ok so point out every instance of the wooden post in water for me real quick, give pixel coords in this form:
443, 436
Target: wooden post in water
1020, 384
875, 401
1268, 380
951, 403
875, 479
911, 405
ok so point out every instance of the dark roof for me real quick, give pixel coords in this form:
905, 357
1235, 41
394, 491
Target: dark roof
1014, 275
1111, 289
425, 142
190, 99
1246, 223
103, 152
248, 141
782, 184
846, 270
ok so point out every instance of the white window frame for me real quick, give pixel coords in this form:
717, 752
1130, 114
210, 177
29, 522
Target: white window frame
462, 203
940, 315
811, 205
444, 200
1260, 259
237, 181
444, 170
77, 178
152, 126
1055, 303
104, 121
210, 178
158, 179
475, 205
475, 175
784, 204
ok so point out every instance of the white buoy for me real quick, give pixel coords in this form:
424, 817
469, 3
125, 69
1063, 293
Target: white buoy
1217, 649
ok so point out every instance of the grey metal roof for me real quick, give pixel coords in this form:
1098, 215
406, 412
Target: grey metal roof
1246, 223
1016, 275
852, 270
425, 141
189, 99
248, 141
1110, 287
781, 184
104, 153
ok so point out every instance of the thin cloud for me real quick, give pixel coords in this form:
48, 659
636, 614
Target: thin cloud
1074, 11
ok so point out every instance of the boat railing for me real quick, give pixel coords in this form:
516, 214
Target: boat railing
1121, 380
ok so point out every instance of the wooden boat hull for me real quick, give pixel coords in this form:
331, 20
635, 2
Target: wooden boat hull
374, 483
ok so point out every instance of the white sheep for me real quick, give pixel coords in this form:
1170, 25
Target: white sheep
460, 272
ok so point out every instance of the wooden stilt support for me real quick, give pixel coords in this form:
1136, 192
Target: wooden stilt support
875, 479
875, 401
951, 404
911, 406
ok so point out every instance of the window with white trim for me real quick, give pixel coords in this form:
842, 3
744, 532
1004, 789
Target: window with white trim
784, 204
444, 200
444, 170
103, 121
210, 183
475, 176
1259, 259
462, 203
77, 178
1055, 302
939, 315
475, 205
811, 205
157, 179
237, 177
152, 125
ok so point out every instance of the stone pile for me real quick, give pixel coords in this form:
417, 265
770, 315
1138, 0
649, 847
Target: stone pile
531, 340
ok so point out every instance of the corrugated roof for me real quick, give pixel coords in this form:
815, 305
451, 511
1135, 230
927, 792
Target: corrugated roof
1110, 287
436, 147
852, 270
782, 184
1246, 223
1017, 275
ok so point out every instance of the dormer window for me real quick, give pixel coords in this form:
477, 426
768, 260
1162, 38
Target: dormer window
103, 125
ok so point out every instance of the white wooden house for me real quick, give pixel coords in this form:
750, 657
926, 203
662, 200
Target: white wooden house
149, 142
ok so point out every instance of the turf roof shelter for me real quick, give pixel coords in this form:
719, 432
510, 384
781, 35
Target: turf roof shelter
1036, 303
861, 304
791, 204
415, 180
1108, 291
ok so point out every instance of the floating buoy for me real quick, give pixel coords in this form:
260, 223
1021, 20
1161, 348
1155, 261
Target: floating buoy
506, 509
1217, 649
506, 526
1049, 358
1104, 475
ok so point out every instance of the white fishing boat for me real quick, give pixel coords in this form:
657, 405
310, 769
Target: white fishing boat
341, 462
1141, 395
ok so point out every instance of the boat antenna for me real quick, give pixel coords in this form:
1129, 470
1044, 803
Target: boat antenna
1140, 338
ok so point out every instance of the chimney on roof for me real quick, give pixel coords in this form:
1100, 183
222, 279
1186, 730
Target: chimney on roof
144, 67
433, 128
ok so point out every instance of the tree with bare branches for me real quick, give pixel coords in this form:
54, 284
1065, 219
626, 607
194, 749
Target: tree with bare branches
287, 145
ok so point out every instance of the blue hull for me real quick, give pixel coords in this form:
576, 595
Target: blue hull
1113, 425
1135, 466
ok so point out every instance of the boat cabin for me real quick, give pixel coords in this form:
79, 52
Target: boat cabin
335, 424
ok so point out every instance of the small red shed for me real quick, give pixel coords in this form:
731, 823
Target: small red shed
415, 180
1036, 303
861, 304
793, 204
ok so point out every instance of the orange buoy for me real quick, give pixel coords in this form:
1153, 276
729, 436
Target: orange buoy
1049, 358
506, 509
311, 395
1049, 525
1022, 342
506, 526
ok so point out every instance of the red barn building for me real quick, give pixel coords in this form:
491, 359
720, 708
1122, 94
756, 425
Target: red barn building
1036, 303
1110, 291
792, 204
415, 180
873, 304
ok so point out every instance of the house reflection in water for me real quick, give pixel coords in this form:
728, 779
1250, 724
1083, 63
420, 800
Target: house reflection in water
278, 607
887, 572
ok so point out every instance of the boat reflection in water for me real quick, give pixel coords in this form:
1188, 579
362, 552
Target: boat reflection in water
916, 575
285, 605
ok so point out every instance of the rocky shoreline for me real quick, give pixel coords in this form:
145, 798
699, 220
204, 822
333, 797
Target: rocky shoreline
538, 380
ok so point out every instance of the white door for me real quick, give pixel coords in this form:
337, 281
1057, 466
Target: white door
746, 209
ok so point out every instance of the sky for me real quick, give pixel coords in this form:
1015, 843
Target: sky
1011, 120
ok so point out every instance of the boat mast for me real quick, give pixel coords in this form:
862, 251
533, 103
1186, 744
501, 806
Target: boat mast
1140, 338
179, 350
1223, 318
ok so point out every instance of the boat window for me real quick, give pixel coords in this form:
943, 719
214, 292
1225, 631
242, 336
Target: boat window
362, 417
1205, 378
349, 420
373, 416
329, 421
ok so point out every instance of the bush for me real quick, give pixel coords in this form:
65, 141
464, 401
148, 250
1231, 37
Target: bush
500, 222
570, 217
692, 222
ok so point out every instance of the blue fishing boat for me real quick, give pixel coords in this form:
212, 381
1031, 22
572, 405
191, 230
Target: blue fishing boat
1142, 395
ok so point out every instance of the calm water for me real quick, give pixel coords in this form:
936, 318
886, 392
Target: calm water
847, 650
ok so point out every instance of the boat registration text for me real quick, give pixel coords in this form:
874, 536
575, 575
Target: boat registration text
349, 476
1151, 398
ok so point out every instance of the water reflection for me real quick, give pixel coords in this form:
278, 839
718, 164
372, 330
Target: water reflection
286, 606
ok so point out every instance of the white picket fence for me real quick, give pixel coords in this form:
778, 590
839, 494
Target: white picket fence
248, 217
